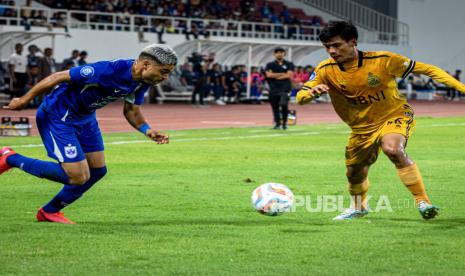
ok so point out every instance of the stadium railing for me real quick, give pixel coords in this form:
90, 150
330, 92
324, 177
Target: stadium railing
364, 17
76, 19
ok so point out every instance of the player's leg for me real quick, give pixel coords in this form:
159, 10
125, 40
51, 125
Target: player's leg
90, 139
361, 152
71, 193
274, 102
60, 142
393, 145
358, 184
284, 103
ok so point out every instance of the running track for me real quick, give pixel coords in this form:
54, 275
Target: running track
170, 116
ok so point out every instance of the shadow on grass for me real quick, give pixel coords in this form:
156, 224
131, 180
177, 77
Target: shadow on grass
208, 222
445, 223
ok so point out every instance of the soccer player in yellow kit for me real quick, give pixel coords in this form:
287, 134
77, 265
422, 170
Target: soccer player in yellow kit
363, 91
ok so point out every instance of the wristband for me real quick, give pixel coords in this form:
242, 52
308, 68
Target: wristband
143, 128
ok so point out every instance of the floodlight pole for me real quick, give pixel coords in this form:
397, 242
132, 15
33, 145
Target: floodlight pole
249, 78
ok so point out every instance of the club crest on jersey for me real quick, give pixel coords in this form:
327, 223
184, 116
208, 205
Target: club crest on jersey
87, 71
312, 76
373, 80
70, 151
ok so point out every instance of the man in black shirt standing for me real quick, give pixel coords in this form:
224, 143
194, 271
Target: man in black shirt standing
279, 75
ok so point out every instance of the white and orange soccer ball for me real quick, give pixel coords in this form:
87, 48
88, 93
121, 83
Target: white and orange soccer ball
272, 199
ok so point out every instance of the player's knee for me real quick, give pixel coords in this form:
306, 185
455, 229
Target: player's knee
394, 153
79, 178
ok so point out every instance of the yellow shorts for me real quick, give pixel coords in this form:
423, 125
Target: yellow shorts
363, 149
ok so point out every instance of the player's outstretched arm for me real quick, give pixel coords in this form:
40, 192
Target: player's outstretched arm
307, 94
136, 119
44, 86
439, 75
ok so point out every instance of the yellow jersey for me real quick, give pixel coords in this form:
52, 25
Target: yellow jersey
364, 92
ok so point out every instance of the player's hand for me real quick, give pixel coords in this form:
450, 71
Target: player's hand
319, 89
16, 104
160, 138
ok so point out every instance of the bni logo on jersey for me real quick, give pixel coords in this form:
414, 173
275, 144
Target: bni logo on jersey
70, 151
87, 71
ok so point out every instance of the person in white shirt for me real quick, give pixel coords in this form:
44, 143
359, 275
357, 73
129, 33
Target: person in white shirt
17, 65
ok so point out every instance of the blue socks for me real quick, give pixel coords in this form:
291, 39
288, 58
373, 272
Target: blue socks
53, 171
43, 169
71, 193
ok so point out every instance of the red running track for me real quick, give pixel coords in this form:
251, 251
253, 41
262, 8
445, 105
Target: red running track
184, 116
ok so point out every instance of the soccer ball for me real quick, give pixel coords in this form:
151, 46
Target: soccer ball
272, 199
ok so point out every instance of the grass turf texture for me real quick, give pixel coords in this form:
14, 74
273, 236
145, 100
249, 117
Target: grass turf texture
184, 208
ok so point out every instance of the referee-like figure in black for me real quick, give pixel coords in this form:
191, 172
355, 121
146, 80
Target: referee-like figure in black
279, 75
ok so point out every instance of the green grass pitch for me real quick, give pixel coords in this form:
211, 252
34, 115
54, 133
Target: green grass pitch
184, 208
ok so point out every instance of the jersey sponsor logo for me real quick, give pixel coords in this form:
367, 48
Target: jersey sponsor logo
103, 102
312, 76
70, 151
373, 80
370, 99
87, 71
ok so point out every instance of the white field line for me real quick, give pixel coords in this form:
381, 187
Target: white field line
189, 139
235, 137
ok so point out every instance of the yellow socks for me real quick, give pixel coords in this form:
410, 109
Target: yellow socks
359, 194
412, 179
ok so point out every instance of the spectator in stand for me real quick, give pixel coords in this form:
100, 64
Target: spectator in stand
418, 82
293, 28
82, 58
32, 56
214, 81
266, 11
232, 84
298, 78
256, 86
46, 64
159, 28
17, 65
201, 64
187, 76
73, 59
33, 79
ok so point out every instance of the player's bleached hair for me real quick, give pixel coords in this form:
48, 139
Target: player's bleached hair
160, 53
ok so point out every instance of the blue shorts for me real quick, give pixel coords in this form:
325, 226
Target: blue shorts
68, 141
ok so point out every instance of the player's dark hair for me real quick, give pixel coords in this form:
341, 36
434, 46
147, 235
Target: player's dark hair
346, 30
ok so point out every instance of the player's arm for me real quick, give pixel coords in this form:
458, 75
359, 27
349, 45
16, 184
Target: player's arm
401, 66
44, 86
313, 88
271, 75
285, 76
134, 116
438, 75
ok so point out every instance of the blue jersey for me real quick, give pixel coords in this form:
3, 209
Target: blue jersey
93, 86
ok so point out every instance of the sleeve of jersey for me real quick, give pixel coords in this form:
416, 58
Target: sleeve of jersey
304, 95
95, 73
137, 97
399, 66
438, 75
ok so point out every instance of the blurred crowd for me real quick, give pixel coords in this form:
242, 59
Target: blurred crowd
23, 71
209, 79
283, 20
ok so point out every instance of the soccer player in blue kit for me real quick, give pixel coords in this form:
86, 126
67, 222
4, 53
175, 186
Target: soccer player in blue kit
68, 127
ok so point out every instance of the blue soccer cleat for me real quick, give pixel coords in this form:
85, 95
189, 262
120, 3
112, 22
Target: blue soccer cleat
351, 213
427, 210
